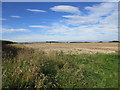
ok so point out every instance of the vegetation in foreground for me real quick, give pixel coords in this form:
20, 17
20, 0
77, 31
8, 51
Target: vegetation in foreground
27, 68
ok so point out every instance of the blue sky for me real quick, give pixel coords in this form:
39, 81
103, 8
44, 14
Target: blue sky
43, 21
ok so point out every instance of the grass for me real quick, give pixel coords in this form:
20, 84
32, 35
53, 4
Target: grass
27, 68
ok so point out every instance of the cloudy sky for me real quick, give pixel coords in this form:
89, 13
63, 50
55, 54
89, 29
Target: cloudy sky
43, 21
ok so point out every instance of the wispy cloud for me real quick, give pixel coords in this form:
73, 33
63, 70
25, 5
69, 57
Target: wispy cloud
35, 10
92, 26
5, 30
38, 26
102, 13
66, 8
99, 23
2, 19
102, 9
15, 16
63, 32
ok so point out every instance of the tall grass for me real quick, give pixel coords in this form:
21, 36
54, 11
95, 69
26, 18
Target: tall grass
37, 69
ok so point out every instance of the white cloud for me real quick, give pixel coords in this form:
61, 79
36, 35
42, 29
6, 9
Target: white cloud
38, 26
89, 27
112, 19
83, 37
104, 13
77, 20
35, 10
82, 29
5, 30
61, 1
15, 16
43, 38
2, 19
82, 32
66, 8
99, 24
71, 16
63, 32
102, 9
108, 0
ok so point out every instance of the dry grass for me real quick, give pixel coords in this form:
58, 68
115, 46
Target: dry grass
29, 68
76, 48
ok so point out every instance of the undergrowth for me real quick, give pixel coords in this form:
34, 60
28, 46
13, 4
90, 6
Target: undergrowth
27, 68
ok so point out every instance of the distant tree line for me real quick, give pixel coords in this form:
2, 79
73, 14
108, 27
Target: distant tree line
114, 41
53, 42
3, 42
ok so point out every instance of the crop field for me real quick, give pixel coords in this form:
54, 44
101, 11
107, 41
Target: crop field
60, 65
76, 47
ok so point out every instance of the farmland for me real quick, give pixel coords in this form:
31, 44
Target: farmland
76, 47
60, 65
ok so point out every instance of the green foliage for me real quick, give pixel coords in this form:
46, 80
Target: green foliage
37, 69
6, 42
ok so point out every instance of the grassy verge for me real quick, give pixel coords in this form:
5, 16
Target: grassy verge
36, 69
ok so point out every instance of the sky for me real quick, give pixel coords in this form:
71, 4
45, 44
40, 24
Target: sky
59, 21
